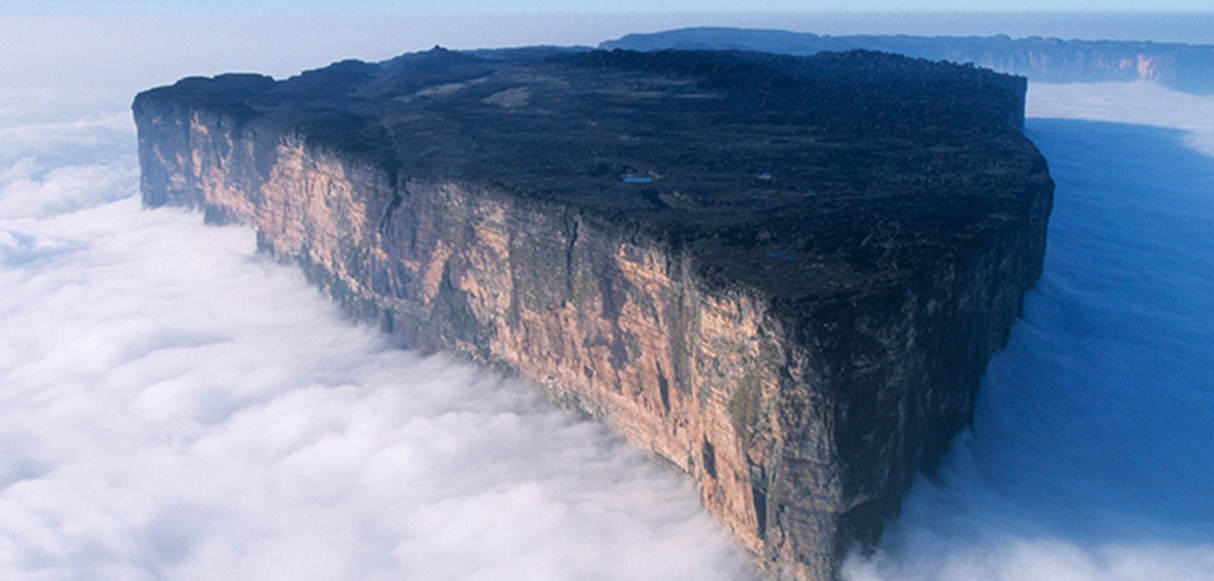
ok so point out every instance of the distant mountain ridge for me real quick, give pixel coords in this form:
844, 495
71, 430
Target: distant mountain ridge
1184, 67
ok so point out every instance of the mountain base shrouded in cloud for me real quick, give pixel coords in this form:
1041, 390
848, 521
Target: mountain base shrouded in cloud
785, 275
1090, 457
177, 407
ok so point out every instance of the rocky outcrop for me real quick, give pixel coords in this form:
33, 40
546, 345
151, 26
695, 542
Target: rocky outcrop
783, 275
1184, 67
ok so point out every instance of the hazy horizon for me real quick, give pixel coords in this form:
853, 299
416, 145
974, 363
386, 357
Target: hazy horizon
178, 406
132, 52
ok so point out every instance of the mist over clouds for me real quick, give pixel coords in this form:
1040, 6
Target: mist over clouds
173, 405
1091, 454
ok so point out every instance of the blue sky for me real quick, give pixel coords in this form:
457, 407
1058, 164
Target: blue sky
587, 6
171, 324
134, 44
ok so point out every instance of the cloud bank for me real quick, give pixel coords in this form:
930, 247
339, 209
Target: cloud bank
1091, 456
174, 406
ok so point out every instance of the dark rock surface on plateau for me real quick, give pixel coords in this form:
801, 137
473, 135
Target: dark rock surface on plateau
1183, 67
783, 274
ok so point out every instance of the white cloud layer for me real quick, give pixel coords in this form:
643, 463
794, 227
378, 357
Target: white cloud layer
1140, 103
174, 406
1091, 457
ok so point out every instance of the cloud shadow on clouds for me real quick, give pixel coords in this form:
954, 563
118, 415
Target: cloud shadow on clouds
1115, 366
173, 405
1090, 454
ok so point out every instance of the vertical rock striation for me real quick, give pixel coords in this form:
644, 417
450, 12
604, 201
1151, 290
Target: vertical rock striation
785, 276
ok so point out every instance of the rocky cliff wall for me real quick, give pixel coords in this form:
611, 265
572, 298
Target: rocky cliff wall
801, 420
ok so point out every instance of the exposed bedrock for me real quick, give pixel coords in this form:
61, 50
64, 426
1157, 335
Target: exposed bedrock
800, 338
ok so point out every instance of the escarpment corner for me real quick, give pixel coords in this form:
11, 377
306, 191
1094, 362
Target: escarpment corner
785, 275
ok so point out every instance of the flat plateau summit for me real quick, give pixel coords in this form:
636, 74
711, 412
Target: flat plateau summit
783, 274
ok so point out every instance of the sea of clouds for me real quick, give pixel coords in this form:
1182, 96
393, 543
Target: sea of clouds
175, 406
1092, 452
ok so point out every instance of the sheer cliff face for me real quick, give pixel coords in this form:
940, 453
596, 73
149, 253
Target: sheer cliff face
802, 416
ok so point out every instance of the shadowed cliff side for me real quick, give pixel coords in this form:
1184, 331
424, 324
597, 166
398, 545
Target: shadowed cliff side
785, 275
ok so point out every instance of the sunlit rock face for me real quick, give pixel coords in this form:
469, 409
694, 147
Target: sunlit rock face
783, 275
